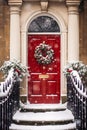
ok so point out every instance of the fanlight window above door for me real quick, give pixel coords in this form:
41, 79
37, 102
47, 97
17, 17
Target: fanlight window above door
43, 24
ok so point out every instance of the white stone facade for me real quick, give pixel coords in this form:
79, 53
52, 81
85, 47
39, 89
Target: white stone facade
64, 12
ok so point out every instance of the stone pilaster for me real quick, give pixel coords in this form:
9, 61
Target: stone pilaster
73, 30
15, 29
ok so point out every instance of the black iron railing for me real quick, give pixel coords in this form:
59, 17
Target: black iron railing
9, 99
77, 100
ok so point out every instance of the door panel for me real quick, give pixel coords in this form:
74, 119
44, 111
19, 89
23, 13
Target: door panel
36, 87
51, 87
44, 85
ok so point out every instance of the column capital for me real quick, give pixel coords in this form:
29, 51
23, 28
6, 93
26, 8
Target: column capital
15, 2
15, 10
73, 6
73, 2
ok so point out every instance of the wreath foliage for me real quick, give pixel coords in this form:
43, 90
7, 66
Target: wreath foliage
44, 54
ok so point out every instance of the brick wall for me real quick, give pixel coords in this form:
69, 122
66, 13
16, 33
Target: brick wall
83, 33
4, 31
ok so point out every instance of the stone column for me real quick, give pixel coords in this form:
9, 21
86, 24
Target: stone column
73, 30
15, 29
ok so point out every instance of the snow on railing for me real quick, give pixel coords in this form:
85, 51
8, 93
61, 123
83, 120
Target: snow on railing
78, 83
77, 100
6, 86
9, 99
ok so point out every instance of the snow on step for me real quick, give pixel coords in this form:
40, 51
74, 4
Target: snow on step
70, 126
45, 106
46, 116
47, 120
42, 107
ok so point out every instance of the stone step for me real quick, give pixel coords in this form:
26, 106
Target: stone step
43, 117
71, 126
46, 118
42, 107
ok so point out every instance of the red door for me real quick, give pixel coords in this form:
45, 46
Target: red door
44, 85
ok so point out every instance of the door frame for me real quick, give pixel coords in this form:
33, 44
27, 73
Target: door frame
63, 47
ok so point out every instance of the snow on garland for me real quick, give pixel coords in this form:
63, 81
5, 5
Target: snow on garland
44, 54
79, 67
18, 67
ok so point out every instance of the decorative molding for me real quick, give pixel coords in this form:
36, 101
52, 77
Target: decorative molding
15, 2
73, 2
44, 0
44, 5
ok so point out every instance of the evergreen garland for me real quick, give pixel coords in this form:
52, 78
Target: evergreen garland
18, 67
80, 68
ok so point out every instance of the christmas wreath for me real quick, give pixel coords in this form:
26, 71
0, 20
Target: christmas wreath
44, 54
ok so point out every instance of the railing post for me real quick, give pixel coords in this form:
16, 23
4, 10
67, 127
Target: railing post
69, 94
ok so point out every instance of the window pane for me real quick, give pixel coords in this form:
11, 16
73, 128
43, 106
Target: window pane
43, 24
